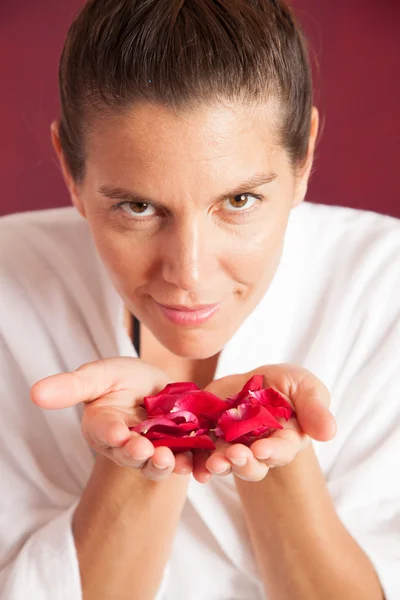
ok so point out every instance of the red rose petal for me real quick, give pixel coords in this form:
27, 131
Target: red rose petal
165, 400
160, 406
254, 383
244, 419
202, 404
273, 401
186, 443
182, 416
180, 387
162, 424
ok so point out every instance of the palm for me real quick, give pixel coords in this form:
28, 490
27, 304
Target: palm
112, 391
119, 407
310, 399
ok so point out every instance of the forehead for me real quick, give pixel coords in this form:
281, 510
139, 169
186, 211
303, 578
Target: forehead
154, 141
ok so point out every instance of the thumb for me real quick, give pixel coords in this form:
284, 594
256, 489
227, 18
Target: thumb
308, 394
97, 379
67, 389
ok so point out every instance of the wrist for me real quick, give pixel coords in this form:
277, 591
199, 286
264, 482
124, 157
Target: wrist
123, 479
299, 484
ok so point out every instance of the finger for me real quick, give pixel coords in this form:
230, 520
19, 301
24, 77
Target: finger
183, 463
217, 464
278, 452
105, 430
310, 397
160, 466
93, 380
135, 453
200, 471
56, 391
244, 464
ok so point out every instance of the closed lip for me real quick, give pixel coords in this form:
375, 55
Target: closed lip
184, 308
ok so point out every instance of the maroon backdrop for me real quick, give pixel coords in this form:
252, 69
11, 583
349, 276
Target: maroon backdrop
357, 92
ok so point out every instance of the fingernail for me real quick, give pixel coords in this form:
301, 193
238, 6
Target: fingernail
137, 459
221, 470
159, 467
239, 462
228, 470
268, 457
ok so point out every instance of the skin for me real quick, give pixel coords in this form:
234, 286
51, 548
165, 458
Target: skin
198, 243
194, 251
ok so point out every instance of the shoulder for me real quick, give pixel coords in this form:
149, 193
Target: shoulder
48, 249
55, 292
346, 267
31, 240
347, 231
353, 253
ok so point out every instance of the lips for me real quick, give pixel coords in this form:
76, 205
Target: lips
188, 316
184, 308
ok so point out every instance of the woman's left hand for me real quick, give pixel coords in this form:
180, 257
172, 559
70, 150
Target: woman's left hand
310, 399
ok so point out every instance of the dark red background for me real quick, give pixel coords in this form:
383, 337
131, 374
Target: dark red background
358, 93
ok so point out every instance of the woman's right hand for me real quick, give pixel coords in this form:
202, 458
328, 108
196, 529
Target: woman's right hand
111, 391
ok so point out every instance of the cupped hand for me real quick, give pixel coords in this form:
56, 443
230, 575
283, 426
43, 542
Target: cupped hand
309, 397
111, 391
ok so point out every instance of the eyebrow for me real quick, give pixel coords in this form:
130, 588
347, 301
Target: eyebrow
117, 193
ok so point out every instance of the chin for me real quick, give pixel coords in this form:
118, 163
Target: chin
192, 345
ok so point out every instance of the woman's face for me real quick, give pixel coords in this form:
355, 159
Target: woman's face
187, 210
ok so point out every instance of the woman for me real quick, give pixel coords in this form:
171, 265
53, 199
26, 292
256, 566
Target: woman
186, 141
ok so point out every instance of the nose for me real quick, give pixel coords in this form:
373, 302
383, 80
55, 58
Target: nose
186, 256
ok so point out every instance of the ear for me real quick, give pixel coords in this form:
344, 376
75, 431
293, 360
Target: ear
304, 173
69, 181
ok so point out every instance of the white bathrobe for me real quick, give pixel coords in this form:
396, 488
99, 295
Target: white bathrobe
333, 307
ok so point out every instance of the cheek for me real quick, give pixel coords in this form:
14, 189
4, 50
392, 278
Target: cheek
255, 259
123, 258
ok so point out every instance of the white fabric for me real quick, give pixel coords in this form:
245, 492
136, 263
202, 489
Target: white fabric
333, 307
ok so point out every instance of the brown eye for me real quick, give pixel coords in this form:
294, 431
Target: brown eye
138, 208
239, 202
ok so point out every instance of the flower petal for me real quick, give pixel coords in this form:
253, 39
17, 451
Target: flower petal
273, 401
183, 416
163, 425
244, 419
202, 403
164, 401
255, 383
186, 443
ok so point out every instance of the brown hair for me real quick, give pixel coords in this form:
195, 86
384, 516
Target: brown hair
181, 53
